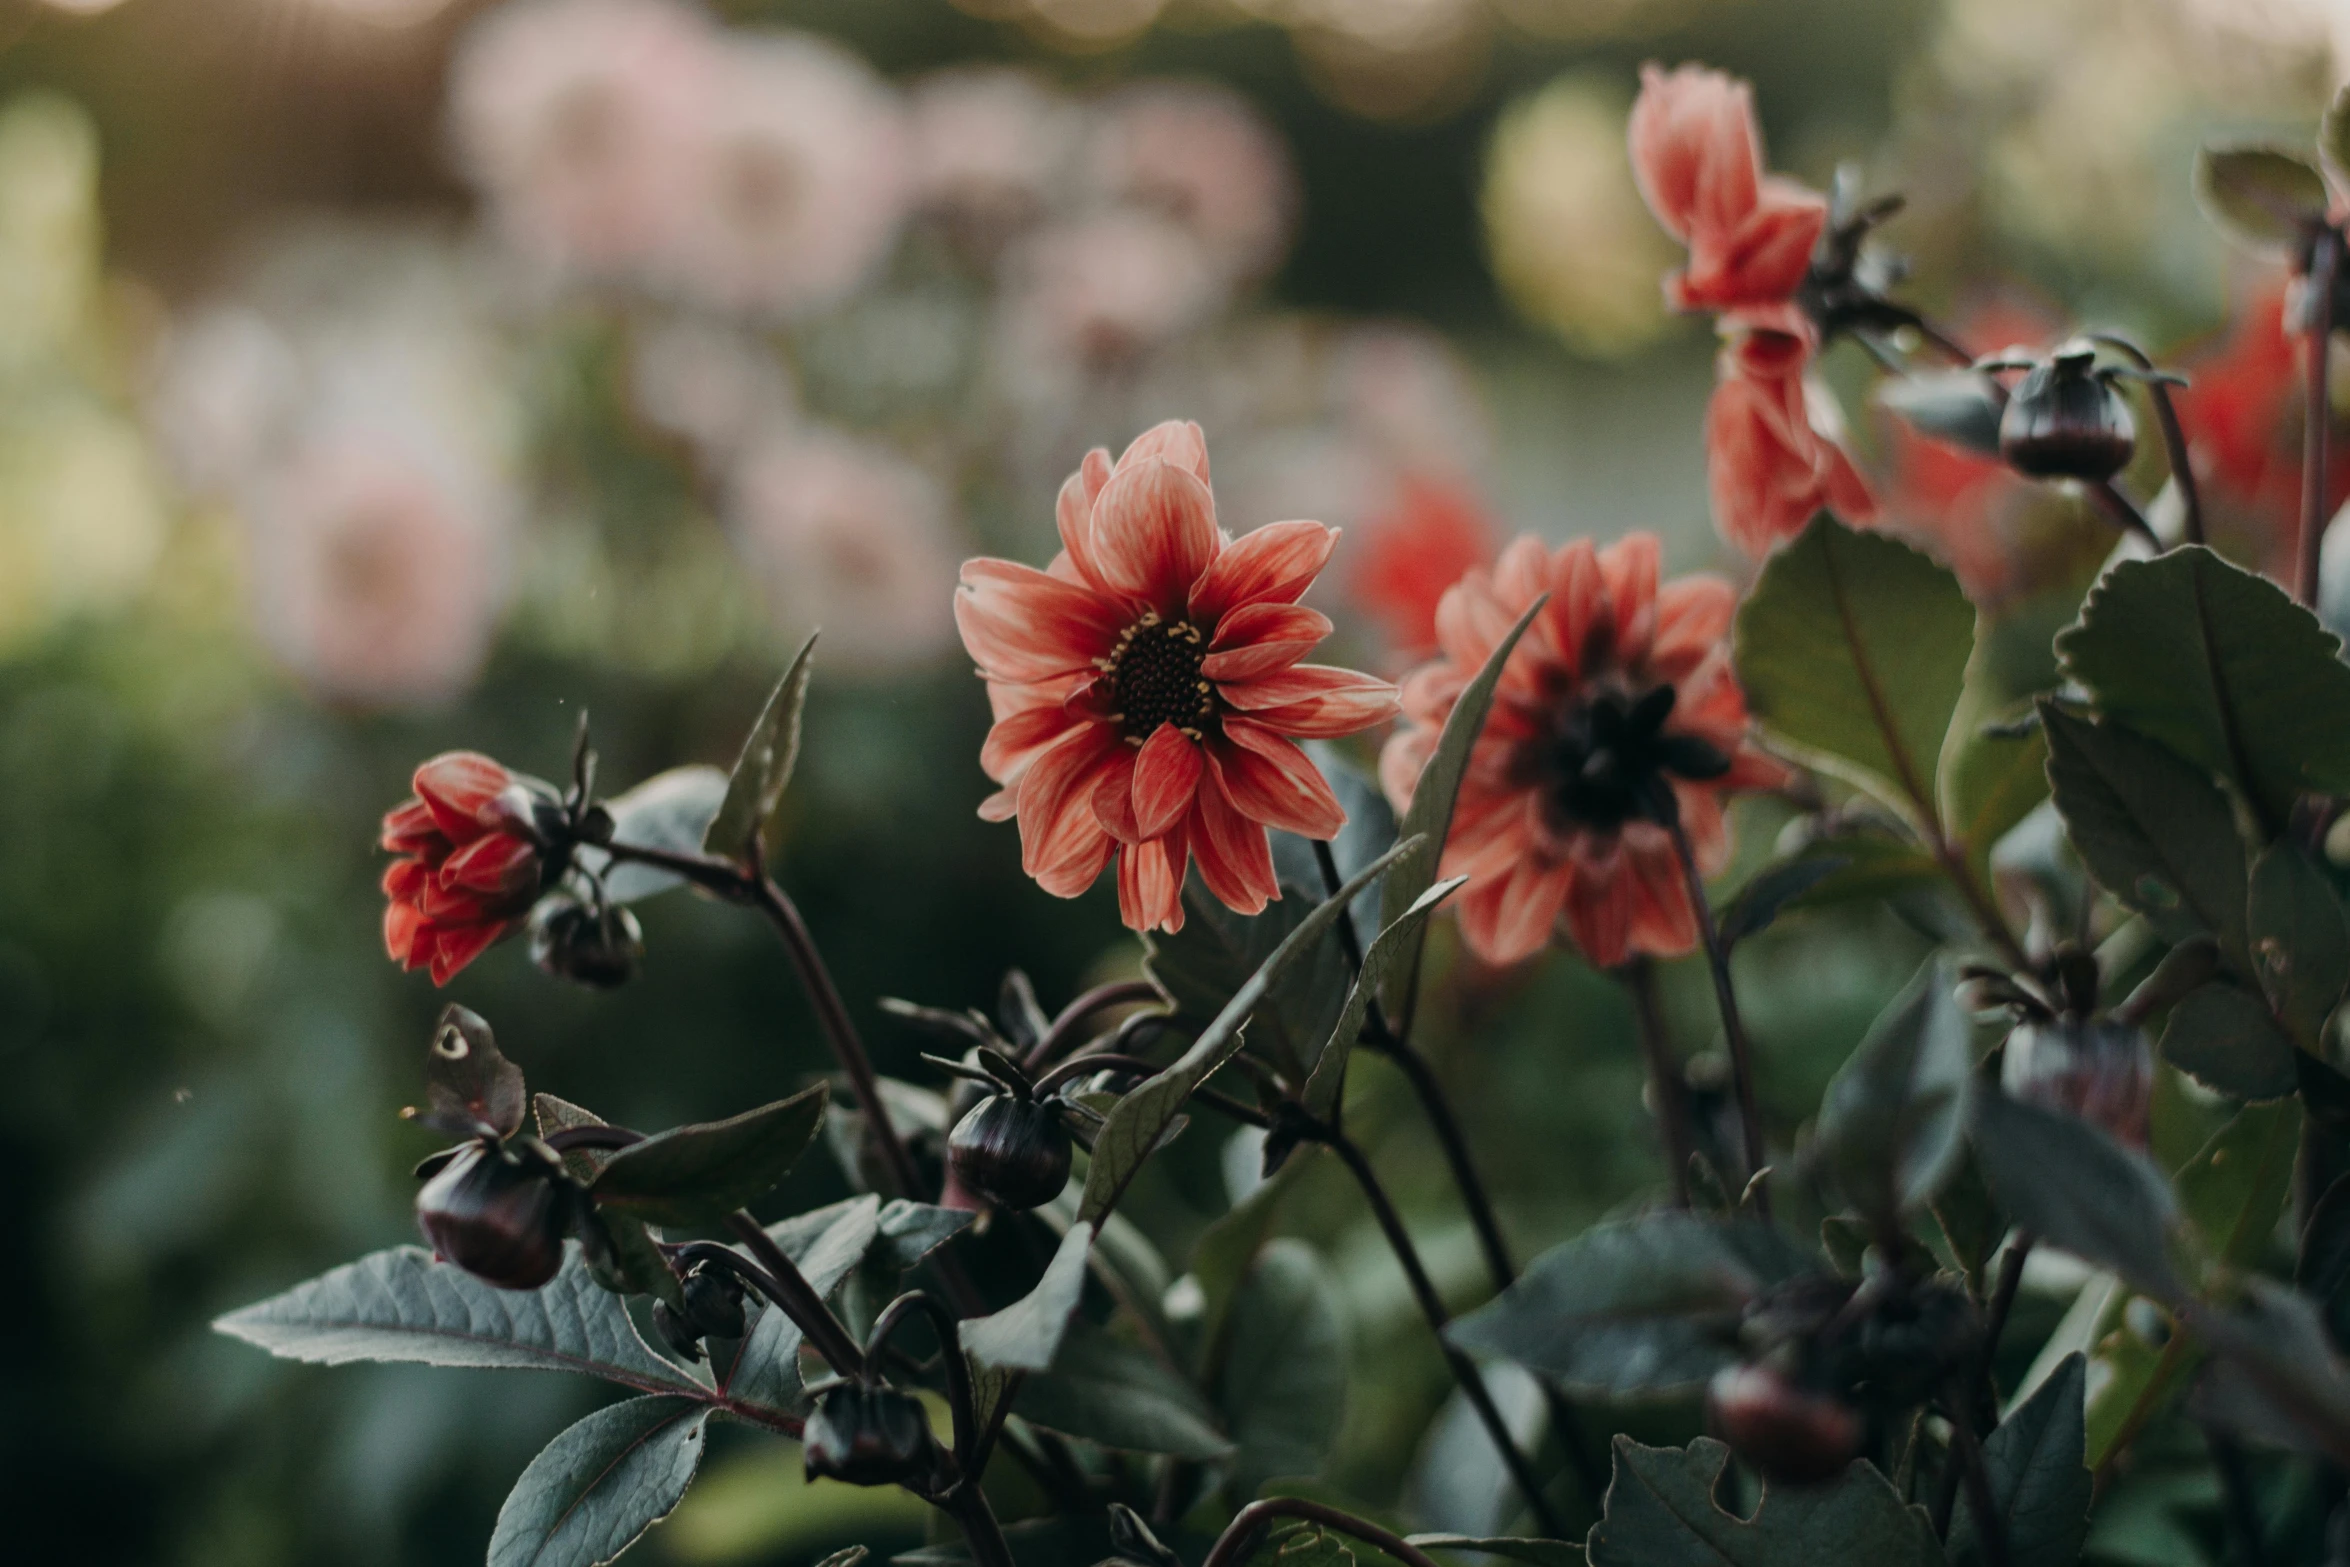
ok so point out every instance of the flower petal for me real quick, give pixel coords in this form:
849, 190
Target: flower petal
1510, 918
1234, 856
500, 864
1150, 883
461, 788
1271, 781
454, 949
1020, 624
1257, 639
1016, 738
1177, 441
1074, 514
1166, 775
1272, 564
1113, 797
1056, 800
409, 828
1316, 701
1154, 533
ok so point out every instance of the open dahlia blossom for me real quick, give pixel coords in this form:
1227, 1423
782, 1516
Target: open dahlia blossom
1148, 689
1617, 715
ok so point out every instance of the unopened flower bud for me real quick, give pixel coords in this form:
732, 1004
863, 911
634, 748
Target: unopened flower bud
676, 1332
2067, 420
1788, 1433
1914, 1340
596, 948
867, 1436
1014, 1152
714, 1303
2096, 1069
495, 1216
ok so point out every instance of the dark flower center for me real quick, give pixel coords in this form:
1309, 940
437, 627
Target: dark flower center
1610, 761
1154, 674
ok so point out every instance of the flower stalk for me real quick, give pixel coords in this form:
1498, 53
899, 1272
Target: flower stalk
2325, 263
1717, 957
1239, 1539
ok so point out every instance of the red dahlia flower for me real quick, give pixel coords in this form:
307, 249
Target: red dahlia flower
1768, 464
1414, 552
1147, 688
1697, 155
1617, 714
471, 864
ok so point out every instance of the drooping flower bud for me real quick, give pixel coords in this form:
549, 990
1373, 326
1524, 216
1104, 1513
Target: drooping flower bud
1012, 1151
714, 1303
867, 1435
597, 948
2097, 1069
1789, 1433
477, 843
2067, 420
497, 1216
676, 1332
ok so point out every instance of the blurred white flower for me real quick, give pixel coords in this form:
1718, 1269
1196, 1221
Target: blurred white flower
1202, 156
227, 388
579, 119
1089, 296
847, 535
709, 385
799, 181
992, 148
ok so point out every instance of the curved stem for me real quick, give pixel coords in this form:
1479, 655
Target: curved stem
1664, 1076
2124, 515
1464, 1370
1074, 1016
1094, 1061
1233, 1545
797, 1299
967, 1505
958, 1370
1726, 997
2174, 438
1986, 1392
2325, 263
1966, 1452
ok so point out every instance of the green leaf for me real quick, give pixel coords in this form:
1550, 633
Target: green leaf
1870, 867
2300, 942
1989, 778
1227, 1249
1025, 1335
764, 769
711, 1168
766, 1371
2333, 134
2152, 828
1535, 1553
634, 1265
2276, 1337
1644, 1307
1971, 1222
1134, 1128
2081, 1192
1956, 407
1661, 1512
1203, 965
2322, 1268
1853, 650
1769, 891
1106, 1390
2039, 1479
2235, 1187
1393, 946
1893, 1122
402, 1305
1283, 1386
2260, 195
2223, 1036
599, 1486
669, 811
2220, 666
1428, 819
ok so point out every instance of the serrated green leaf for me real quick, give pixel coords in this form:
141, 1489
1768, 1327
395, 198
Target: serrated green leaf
1661, 1512
1284, 1380
2039, 1479
762, 772
1894, 1118
1393, 946
2300, 941
2079, 1191
693, 1173
2260, 195
2154, 830
1025, 1335
402, 1305
634, 1265
2223, 1037
2222, 667
1201, 966
1134, 1128
2234, 1189
1106, 1390
670, 810
766, 1371
1427, 820
599, 1486
1644, 1307
1853, 650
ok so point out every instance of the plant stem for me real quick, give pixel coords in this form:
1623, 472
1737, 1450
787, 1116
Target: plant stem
1664, 1074
958, 1370
1986, 1391
2125, 515
2174, 438
2235, 1487
1982, 1506
1118, 993
1464, 1370
967, 1505
2325, 262
797, 1299
1236, 1543
1726, 997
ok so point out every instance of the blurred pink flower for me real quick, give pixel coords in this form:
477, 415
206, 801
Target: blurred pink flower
378, 565
227, 386
1203, 156
708, 385
991, 146
799, 181
577, 119
1410, 396
1094, 294
845, 534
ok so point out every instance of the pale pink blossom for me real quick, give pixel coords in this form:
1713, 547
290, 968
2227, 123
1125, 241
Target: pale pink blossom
1202, 156
799, 183
709, 385
1096, 293
578, 119
845, 534
227, 388
992, 148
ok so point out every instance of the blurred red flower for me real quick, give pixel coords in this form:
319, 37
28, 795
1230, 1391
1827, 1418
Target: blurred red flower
1413, 553
1148, 690
1697, 155
1617, 713
1769, 467
470, 864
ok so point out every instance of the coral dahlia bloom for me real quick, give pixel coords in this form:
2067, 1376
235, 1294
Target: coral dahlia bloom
1697, 155
1617, 714
1148, 687
1769, 466
470, 864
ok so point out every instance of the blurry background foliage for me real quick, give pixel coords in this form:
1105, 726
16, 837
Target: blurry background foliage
321, 450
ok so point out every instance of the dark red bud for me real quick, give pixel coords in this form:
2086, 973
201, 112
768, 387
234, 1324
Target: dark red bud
570, 940
867, 1436
1013, 1152
2067, 421
1786, 1432
2096, 1069
498, 1218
